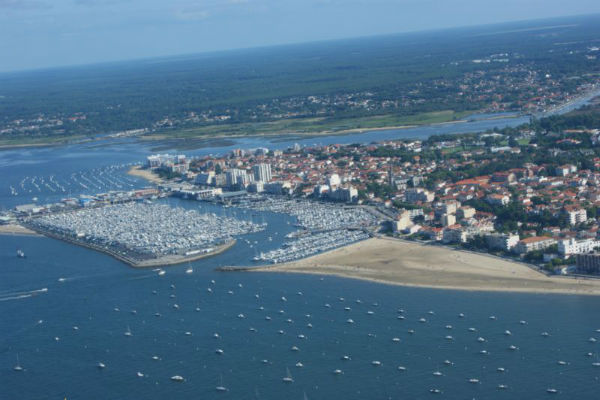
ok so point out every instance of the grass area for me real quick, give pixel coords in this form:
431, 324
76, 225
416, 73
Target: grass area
24, 141
315, 125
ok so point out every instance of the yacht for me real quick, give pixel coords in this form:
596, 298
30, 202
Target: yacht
177, 378
20, 253
337, 372
219, 351
288, 378
128, 332
140, 374
437, 373
101, 365
299, 364
401, 368
189, 270
473, 380
221, 388
500, 369
161, 272
507, 332
551, 390
376, 363
502, 387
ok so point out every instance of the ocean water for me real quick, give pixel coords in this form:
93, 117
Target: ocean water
60, 286
60, 361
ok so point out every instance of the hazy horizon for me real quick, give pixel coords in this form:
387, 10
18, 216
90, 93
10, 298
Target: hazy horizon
39, 34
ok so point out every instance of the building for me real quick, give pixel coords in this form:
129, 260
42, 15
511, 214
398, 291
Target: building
588, 263
278, 187
347, 195
416, 195
575, 216
533, 244
448, 219
571, 246
237, 177
205, 179
500, 241
465, 212
565, 170
403, 222
454, 234
262, 172
256, 187
497, 199
334, 181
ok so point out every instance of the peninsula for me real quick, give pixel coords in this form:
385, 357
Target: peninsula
405, 263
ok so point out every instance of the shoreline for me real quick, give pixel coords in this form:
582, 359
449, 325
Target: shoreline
138, 172
402, 263
16, 230
162, 261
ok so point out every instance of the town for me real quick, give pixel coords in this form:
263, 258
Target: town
504, 192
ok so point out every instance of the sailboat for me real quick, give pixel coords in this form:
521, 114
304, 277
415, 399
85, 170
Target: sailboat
221, 388
18, 367
128, 332
288, 378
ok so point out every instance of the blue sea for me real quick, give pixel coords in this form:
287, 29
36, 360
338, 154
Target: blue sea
64, 309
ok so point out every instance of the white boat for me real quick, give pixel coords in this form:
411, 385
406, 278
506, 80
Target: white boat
337, 372
128, 332
161, 272
376, 363
437, 373
551, 390
288, 378
299, 364
502, 387
473, 380
401, 368
18, 367
219, 351
221, 388
500, 369
189, 270
141, 375
177, 378
507, 332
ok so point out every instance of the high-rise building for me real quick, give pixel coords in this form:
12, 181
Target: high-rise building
262, 172
236, 177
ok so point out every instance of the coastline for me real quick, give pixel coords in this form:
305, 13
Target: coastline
396, 262
138, 172
16, 230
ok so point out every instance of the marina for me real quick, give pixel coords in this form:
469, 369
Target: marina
145, 234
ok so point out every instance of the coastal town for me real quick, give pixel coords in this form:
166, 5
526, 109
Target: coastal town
489, 192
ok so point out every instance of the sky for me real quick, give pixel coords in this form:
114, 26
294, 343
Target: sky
38, 34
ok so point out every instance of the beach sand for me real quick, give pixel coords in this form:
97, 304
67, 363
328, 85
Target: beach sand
399, 262
16, 230
145, 174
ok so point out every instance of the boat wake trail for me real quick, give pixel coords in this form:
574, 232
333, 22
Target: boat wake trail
22, 295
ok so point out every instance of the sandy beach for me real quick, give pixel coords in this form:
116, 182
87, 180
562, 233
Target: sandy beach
398, 262
144, 174
16, 230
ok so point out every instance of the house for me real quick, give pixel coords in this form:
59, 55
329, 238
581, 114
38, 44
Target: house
533, 244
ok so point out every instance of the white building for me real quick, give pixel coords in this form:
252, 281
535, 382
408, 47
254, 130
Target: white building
237, 176
533, 244
570, 246
576, 215
334, 181
415, 195
502, 241
262, 172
